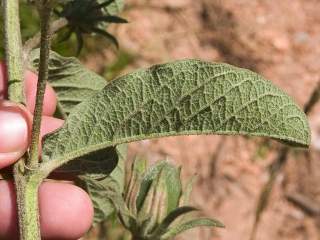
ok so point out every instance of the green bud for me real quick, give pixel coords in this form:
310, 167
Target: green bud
158, 205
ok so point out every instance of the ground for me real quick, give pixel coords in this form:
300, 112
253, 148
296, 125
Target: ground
280, 40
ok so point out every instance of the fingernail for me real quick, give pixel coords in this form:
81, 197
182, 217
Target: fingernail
13, 130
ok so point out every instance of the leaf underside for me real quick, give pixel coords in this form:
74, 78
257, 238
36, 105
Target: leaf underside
181, 98
72, 82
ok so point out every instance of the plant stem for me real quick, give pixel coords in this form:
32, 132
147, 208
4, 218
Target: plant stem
26, 186
45, 11
13, 49
28, 207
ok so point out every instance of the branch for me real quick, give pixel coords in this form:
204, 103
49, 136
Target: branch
307, 205
45, 11
314, 98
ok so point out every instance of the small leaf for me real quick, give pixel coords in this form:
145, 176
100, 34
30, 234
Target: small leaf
185, 197
94, 165
139, 166
199, 222
148, 178
181, 98
148, 201
111, 19
100, 191
171, 175
172, 216
137, 169
107, 35
114, 7
72, 82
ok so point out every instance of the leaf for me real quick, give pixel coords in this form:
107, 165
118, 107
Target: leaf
149, 177
199, 222
172, 216
115, 7
107, 35
148, 203
167, 192
173, 186
181, 98
100, 190
118, 174
138, 168
72, 82
96, 165
111, 19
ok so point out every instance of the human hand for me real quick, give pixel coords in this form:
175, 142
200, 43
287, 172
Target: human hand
66, 211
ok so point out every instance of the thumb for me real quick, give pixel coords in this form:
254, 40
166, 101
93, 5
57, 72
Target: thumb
15, 122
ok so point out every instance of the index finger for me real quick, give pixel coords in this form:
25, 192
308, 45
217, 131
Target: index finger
30, 89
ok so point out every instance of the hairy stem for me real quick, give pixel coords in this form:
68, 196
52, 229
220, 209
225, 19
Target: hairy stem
13, 49
26, 188
45, 11
28, 207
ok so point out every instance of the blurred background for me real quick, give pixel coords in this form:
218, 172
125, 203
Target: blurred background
278, 39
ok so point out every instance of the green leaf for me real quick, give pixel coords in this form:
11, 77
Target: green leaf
149, 177
118, 174
115, 7
199, 222
172, 216
148, 203
138, 168
72, 82
96, 165
171, 175
180, 98
100, 190
111, 19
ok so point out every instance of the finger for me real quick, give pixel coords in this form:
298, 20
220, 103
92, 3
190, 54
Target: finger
66, 211
15, 127
3, 81
15, 123
31, 79
50, 99
49, 125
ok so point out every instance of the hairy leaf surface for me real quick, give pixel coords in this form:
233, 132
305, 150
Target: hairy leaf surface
72, 82
180, 98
